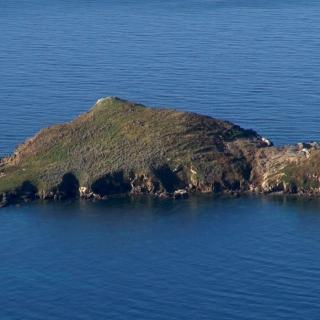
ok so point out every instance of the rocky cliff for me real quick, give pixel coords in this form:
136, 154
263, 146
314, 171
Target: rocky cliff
120, 147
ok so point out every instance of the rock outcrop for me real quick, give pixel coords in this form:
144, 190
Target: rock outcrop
120, 147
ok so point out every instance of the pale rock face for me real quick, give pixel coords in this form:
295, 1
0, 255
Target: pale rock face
107, 99
103, 99
194, 172
193, 177
181, 193
266, 141
85, 192
306, 153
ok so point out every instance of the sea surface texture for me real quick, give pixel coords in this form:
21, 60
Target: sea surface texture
202, 258
253, 62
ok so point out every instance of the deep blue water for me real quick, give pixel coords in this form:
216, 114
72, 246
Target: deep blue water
254, 62
202, 258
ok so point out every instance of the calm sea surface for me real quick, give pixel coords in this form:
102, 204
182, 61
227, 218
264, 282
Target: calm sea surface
254, 62
202, 258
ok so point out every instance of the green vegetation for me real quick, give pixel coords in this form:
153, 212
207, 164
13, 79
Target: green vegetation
119, 142
303, 176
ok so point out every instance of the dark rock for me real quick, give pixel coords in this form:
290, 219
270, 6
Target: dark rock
164, 195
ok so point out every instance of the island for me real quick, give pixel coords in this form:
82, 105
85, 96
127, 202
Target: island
124, 148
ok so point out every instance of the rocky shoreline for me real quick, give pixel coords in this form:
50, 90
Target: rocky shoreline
120, 147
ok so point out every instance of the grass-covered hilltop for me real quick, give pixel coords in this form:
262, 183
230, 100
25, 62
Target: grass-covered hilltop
120, 147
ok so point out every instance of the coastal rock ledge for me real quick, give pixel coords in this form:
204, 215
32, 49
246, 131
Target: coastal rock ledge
120, 147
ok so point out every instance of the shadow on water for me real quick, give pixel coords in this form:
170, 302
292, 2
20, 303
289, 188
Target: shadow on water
197, 205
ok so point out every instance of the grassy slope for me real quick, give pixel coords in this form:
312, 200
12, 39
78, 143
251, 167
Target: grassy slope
119, 135
304, 176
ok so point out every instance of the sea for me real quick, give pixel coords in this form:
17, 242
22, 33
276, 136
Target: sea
253, 62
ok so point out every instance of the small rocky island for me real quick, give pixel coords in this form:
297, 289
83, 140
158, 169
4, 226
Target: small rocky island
120, 147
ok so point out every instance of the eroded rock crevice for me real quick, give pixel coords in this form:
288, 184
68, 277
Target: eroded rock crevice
68, 188
111, 184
